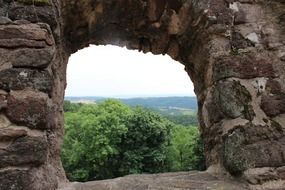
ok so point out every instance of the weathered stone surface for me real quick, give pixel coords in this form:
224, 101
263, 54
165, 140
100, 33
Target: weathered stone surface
33, 32
27, 150
213, 146
273, 105
27, 57
13, 179
239, 42
270, 185
273, 87
3, 102
168, 181
254, 146
232, 98
45, 14
20, 79
22, 21
4, 122
19, 43
28, 108
7, 134
156, 9
243, 66
260, 175
27, 178
5, 20
220, 42
281, 172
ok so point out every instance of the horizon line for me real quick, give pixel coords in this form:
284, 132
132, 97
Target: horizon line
131, 96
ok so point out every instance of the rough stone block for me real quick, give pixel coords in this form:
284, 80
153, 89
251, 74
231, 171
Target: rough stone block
155, 9
249, 13
5, 20
273, 105
28, 57
273, 87
211, 111
20, 79
248, 147
24, 178
4, 122
44, 14
260, 175
233, 99
28, 108
7, 134
32, 32
20, 43
281, 172
3, 102
239, 42
244, 66
27, 150
15, 179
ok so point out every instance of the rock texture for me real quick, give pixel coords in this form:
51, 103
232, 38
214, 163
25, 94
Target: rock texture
233, 50
167, 181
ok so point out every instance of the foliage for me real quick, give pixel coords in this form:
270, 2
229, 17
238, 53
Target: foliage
186, 150
183, 119
71, 107
110, 139
91, 138
143, 146
186, 102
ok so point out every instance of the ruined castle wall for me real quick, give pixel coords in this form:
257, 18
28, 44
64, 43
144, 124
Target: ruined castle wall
233, 51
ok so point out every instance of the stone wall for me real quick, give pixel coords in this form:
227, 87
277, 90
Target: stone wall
234, 52
32, 82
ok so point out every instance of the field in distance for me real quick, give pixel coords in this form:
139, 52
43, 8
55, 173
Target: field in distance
181, 110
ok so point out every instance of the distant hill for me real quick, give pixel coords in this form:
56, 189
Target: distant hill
151, 102
163, 102
180, 110
84, 98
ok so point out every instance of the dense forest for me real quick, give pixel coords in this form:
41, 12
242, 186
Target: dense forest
180, 110
111, 139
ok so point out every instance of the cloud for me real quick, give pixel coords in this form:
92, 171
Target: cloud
113, 71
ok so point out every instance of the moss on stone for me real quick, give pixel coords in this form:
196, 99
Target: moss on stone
35, 2
233, 98
235, 158
248, 112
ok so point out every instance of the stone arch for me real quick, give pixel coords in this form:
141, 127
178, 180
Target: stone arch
233, 50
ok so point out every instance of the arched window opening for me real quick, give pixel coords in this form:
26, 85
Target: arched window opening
126, 113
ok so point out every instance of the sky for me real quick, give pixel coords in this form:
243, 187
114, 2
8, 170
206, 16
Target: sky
112, 71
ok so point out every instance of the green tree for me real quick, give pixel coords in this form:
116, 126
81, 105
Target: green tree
71, 107
143, 146
182, 119
110, 139
186, 150
91, 139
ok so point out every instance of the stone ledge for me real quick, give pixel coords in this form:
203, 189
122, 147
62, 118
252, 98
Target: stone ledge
165, 181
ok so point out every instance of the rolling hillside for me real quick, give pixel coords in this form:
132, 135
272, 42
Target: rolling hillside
151, 102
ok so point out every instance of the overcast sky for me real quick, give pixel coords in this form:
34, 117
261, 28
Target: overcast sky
117, 72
